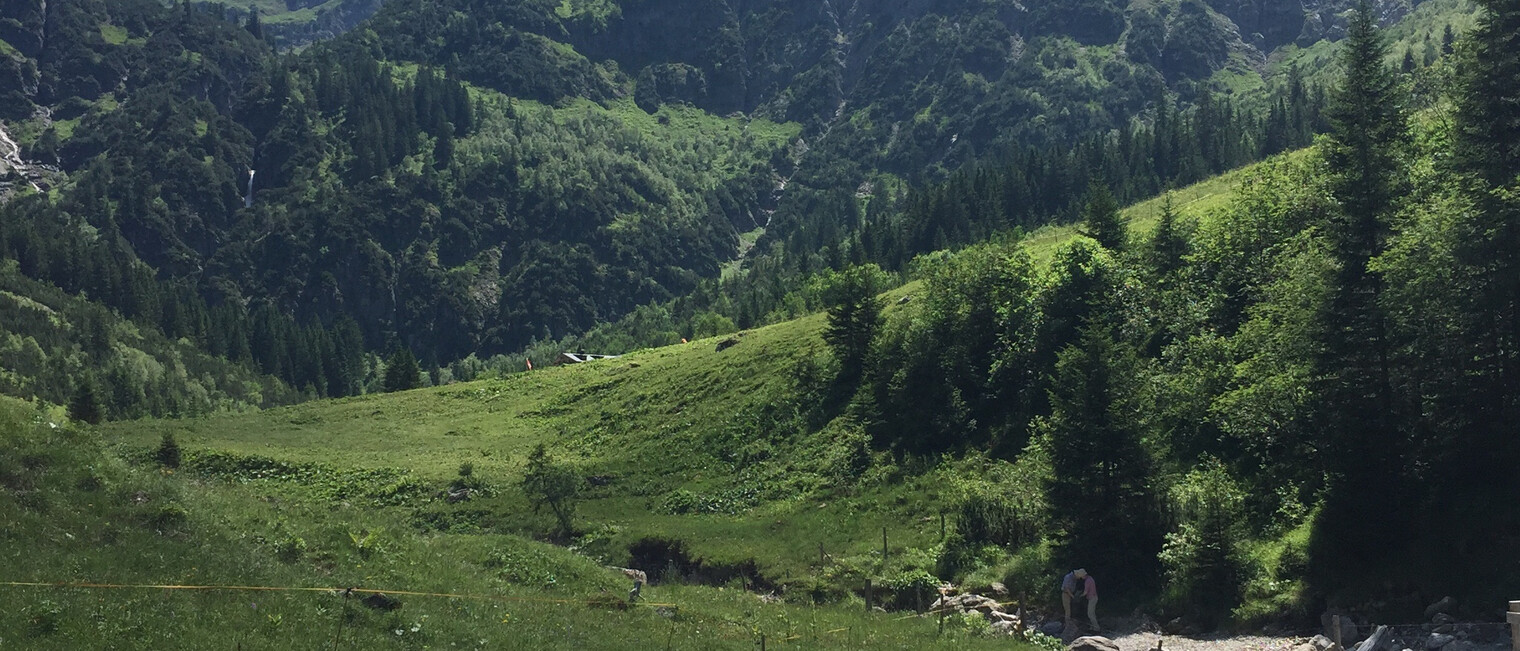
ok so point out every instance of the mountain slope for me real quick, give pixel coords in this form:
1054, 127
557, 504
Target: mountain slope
76, 512
744, 434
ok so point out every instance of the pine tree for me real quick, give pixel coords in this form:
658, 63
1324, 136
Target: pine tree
254, 25
1358, 406
854, 316
1480, 449
1101, 220
401, 371
84, 406
1168, 243
1100, 496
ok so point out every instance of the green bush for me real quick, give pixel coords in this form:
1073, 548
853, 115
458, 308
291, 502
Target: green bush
1206, 568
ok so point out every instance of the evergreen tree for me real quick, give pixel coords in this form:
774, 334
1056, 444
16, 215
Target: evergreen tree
1101, 220
1099, 490
1478, 444
401, 371
1169, 241
85, 406
1448, 40
854, 316
254, 25
1364, 152
168, 453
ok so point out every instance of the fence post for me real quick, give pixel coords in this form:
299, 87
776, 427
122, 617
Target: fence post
1514, 625
762, 642
1337, 631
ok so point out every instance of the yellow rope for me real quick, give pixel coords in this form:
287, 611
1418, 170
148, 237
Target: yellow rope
269, 588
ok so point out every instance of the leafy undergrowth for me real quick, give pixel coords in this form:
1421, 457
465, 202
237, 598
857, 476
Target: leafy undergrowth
74, 512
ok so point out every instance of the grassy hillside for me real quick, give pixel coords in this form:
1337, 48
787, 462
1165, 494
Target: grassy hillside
700, 458
73, 512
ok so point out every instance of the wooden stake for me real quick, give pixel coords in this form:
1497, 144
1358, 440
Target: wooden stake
1514, 625
1337, 631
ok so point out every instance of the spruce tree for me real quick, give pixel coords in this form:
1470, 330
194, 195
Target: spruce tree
1358, 408
1169, 242
1101, 501
1480, 449
854, 316
1101, 220
401, 371
85, 406
254, 25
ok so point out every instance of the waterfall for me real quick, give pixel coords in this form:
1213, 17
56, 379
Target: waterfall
248, 199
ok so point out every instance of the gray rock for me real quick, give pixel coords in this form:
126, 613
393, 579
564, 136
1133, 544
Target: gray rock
1092, 643
1442, 618
1463, 645
1444, 628
1439, 640
1052, 628
1349, 631
1445, 605
998, 589
1322, 643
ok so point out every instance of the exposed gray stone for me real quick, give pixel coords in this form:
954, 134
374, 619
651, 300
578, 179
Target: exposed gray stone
1439, 640
1445, 605
1092, 643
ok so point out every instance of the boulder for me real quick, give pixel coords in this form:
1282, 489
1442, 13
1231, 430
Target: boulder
1323, 643
1092, 643
1052, 628
996, 617
1349, 632
998, 589
1464, 645
1005, 628
1376, 641
1439, 640
1445, 605
727, 344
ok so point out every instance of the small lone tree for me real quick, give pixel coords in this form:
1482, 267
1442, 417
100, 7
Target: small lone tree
84, 406
854, 317
402, 372
548, 483
168, 453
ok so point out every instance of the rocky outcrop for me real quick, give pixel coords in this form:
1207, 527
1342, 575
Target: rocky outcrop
1092, 643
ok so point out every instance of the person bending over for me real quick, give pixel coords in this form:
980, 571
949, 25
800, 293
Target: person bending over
1078, 583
